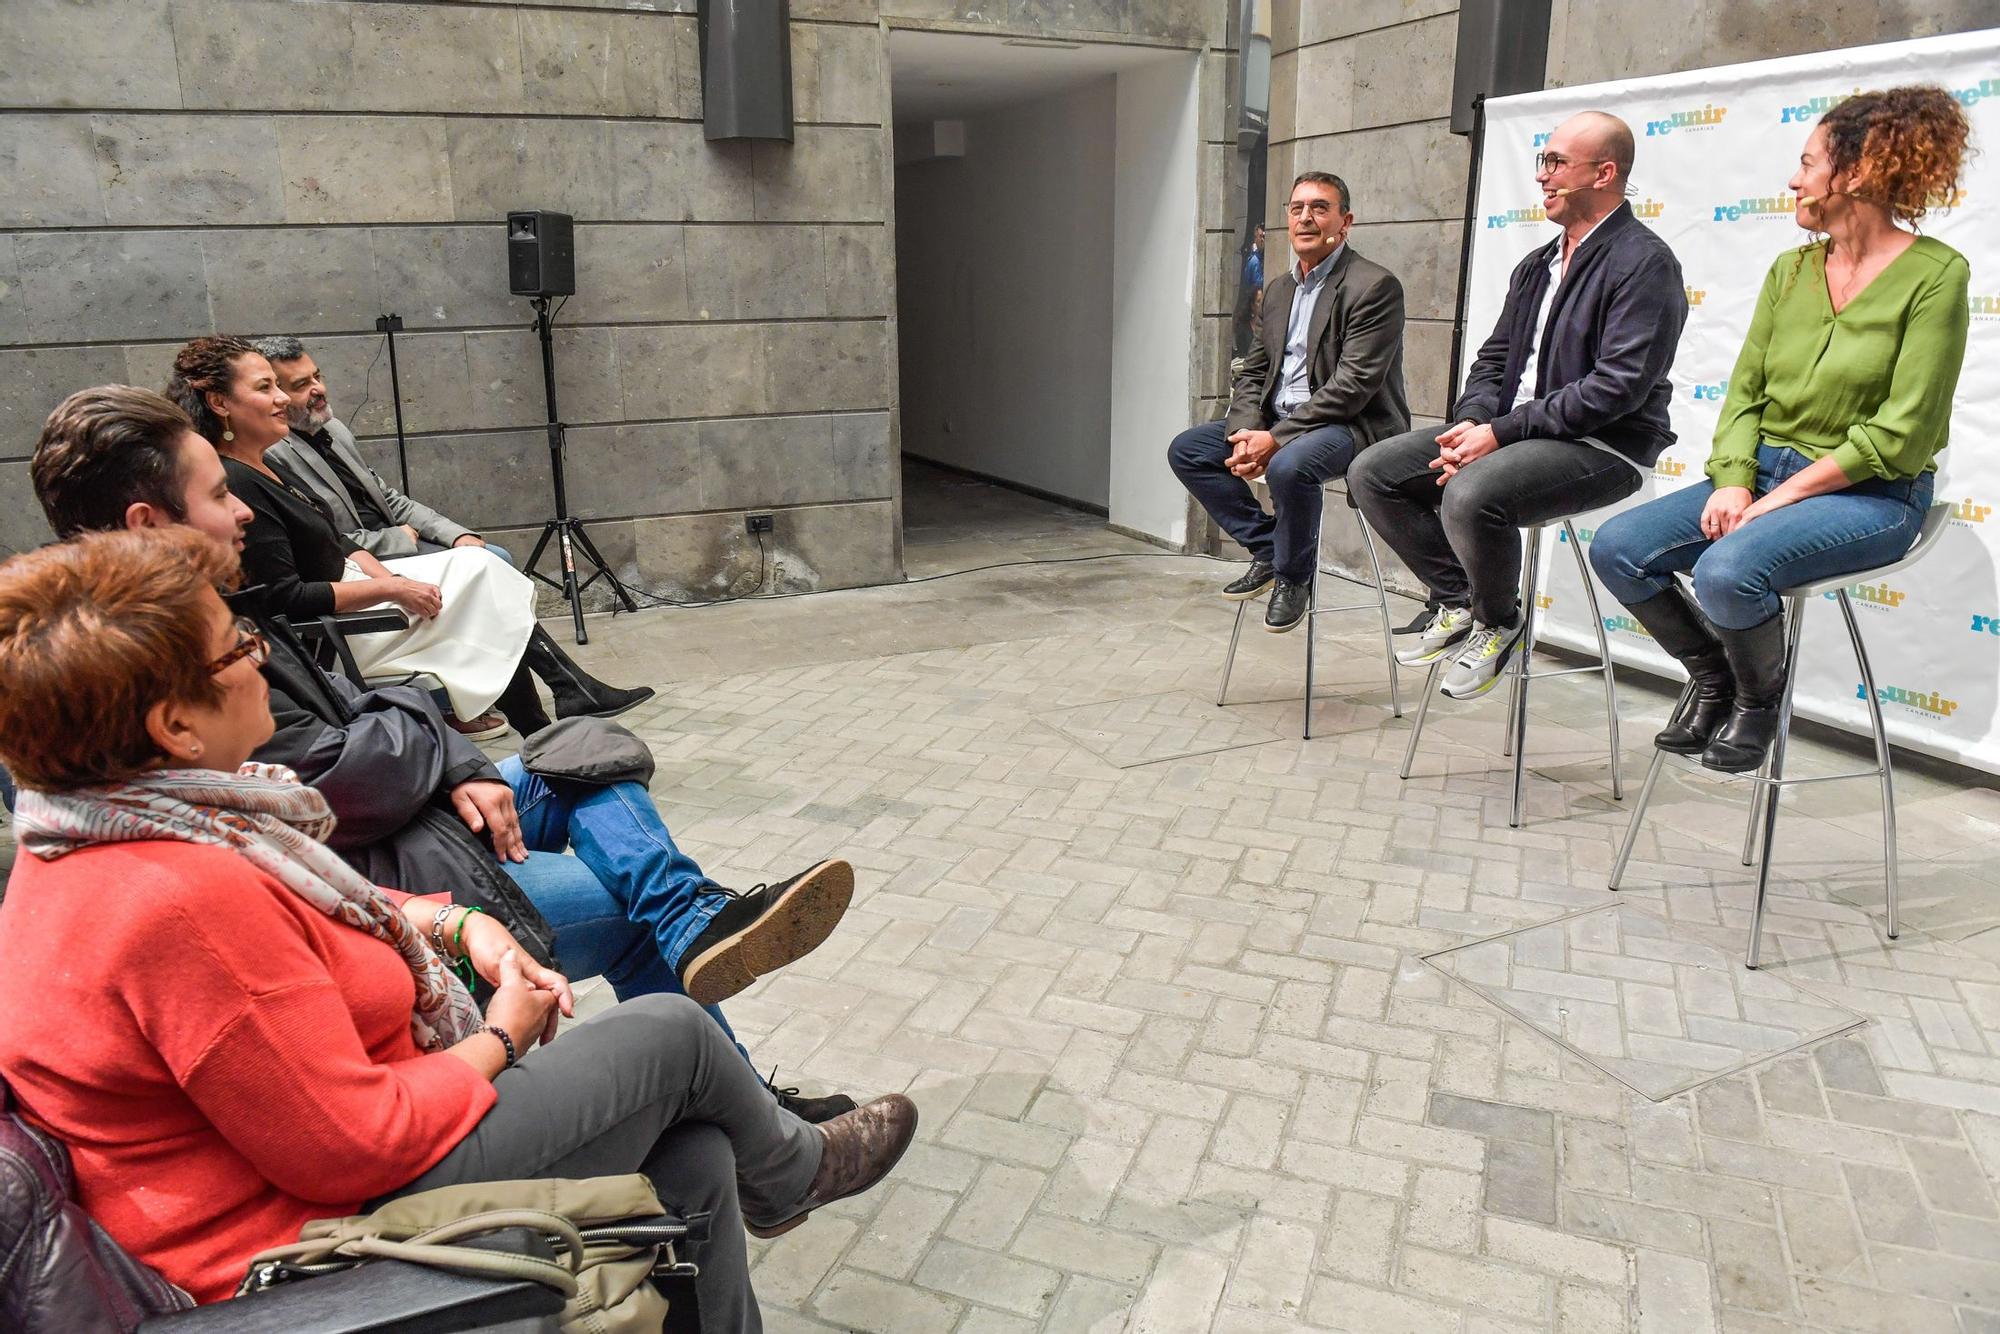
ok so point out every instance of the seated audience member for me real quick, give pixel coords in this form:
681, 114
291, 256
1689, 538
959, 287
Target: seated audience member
419, 807
251, 1035
1825, 456
1563, 410
374, 517
1322, 380
472, 641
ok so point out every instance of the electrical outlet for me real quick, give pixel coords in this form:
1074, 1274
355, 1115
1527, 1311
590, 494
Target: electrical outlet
757, 523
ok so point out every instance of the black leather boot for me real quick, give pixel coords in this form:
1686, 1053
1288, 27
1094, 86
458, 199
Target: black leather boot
1757, 660
521, 705
578, 693
1678, 627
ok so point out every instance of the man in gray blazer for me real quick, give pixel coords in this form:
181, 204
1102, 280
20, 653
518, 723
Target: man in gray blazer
1322, 380
370, 513
321, 455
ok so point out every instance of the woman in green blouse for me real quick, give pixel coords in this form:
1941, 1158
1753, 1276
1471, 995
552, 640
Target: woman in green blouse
1838, 407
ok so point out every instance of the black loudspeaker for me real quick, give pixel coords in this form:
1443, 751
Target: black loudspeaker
746, 69
1503, 47
541, 254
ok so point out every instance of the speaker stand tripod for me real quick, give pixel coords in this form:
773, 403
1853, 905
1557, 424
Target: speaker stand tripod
567, 530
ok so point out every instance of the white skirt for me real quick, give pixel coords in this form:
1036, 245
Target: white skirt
471, 646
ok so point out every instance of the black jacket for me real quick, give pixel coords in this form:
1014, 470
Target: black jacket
386, 762
1354, 362
1608, 347
290, 548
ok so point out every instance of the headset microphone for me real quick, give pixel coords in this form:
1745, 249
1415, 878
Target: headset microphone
1564, 193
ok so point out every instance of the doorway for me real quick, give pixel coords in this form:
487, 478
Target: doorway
1046, 246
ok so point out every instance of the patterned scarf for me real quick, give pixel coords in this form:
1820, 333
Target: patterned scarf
276, 823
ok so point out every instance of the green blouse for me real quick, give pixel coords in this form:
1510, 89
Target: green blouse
1870, 386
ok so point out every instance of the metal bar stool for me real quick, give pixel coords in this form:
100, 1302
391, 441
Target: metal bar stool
1516, 737
1379, 602
1768, 782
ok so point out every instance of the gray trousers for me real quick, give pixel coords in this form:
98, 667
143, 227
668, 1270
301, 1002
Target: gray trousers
650, 1086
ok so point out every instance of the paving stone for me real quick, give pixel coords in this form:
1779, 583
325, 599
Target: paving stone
993, 1280
1493, 1119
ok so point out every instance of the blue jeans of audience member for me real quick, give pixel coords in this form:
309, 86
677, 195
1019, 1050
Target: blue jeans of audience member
1288, 539
6, 790
1736, 578
629, 901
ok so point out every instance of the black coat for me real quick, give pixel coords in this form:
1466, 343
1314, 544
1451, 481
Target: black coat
1610, 342
386, 762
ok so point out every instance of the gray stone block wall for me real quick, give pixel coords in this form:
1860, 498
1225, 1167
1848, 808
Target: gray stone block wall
177, 167
1363, 88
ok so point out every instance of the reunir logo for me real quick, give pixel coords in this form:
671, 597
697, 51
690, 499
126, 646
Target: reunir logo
1626, 624
1697, 295
1648, 208
1922, 701
1770, 206
1813, 108
1533, 213
1985, 306
1708, 393
1700, 118
1871, 595
1582, 535
1970, 511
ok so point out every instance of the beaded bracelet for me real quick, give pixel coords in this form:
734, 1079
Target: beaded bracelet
505, 1041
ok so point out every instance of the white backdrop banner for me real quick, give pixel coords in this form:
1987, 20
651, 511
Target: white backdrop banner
1715, 148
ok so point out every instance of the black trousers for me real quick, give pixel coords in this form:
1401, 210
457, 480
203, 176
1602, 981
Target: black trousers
1463, 539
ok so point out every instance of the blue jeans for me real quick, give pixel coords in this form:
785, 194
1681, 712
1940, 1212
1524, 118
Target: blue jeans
629, 902
1736, 578
1288, 538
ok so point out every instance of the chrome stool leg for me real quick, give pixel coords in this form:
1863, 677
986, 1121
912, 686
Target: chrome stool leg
1382, 602
1312, 619
1517, 716
1795, 619
1881, 762
1229, 659
1603, 656
1423, 711
1639, 810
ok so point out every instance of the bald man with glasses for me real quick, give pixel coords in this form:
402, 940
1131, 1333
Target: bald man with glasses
1564, 410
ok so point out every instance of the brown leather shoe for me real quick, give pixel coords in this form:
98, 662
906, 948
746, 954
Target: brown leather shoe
861, 1147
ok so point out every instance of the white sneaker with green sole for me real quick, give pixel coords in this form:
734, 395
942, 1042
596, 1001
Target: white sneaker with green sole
1450, 626
1478, 665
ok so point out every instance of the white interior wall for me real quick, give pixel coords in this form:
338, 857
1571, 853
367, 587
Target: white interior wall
1004, 278
1156, 232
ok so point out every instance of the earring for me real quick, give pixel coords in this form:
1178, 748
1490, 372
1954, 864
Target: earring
194, 750
227, 434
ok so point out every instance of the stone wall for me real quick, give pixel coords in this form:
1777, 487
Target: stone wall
1363, 88
175, 167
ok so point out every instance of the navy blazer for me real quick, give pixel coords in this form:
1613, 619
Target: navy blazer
1605, 355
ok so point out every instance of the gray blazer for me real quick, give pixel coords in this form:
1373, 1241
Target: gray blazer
381, 543
1355, 370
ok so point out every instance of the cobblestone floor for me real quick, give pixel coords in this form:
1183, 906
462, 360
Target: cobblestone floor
1189, 1050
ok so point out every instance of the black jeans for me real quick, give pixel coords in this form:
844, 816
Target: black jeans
1463, 539
1289, 539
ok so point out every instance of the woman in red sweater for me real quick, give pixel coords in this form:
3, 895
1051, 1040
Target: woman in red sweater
235, 1033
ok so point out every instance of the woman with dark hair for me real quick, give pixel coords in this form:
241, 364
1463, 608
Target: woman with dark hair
252, 1035
1826, 453
471, 618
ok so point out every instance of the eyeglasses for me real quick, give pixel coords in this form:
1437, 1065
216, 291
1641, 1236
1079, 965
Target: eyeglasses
250, 644
1319, 208
1554, 162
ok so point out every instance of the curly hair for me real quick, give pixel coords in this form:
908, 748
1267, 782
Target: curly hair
93, 633
1908, 142
204, 365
